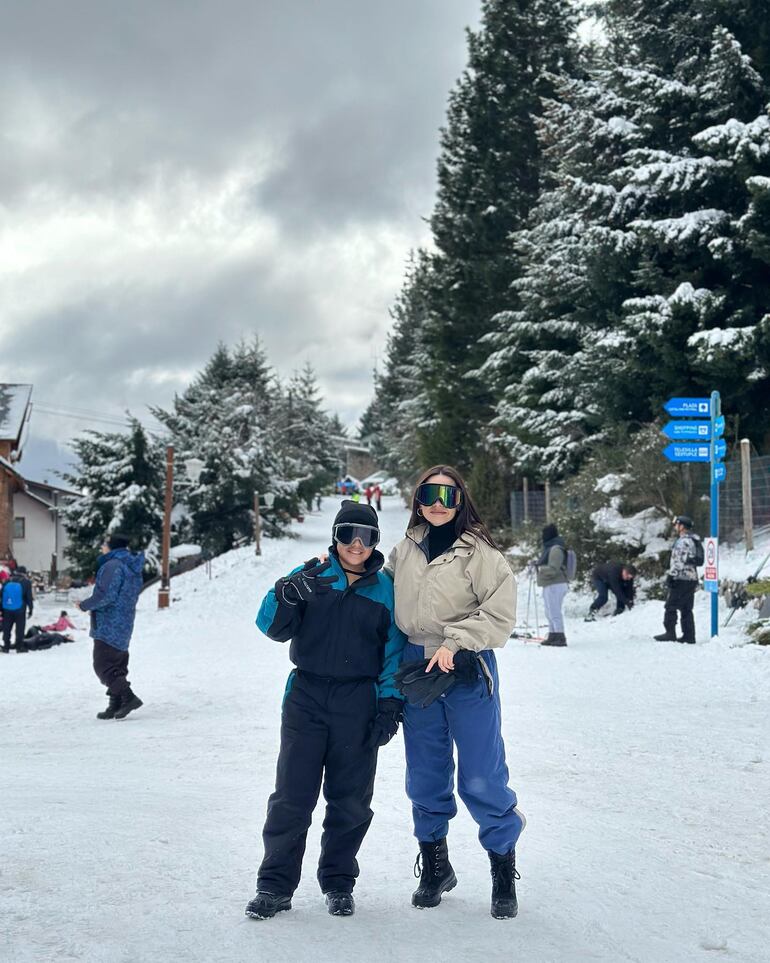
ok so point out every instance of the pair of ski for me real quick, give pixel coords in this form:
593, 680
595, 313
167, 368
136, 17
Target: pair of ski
523, 635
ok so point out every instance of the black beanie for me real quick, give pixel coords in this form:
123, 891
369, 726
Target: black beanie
354, 513
549, 532
116, 540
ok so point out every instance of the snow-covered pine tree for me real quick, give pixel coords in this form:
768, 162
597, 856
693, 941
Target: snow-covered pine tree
310, 456
640, 246
229, 418
699, 320
401, 409
488, 174
121, 479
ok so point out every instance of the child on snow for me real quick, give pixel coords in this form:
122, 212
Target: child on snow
340, 706
60, 625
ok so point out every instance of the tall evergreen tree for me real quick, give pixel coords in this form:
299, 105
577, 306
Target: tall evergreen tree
121, 479
488, 174
228, 417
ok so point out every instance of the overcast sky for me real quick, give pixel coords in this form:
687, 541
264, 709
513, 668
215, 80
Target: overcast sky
176, 173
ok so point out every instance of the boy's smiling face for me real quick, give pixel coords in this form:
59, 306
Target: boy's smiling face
354, 556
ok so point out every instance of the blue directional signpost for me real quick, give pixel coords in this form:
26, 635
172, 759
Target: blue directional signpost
701, 440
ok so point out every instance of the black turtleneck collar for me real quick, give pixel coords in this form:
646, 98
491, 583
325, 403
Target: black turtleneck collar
440, 538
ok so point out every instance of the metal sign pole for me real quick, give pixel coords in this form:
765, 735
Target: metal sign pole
716, 411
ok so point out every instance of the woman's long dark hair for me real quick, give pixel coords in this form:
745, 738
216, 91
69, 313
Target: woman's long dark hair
467, 518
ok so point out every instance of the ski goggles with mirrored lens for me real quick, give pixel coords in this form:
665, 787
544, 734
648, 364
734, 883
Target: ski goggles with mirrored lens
346, 534
450, 496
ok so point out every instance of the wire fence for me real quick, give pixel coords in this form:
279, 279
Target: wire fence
531, 506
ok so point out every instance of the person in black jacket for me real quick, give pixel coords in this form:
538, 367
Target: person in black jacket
340, 705
617, 578
17, 604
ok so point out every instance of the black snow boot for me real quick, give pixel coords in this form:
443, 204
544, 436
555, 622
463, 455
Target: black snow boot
266, 905
555, 638
340, 904
112, 708
681, 638
128, 703
436, 874
665, 637
504, 876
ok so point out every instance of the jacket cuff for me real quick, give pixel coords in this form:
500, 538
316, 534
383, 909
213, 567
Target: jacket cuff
452, 644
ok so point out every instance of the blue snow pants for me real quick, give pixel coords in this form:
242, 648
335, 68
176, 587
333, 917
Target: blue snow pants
468, 717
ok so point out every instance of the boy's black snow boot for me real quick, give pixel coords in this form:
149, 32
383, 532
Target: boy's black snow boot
112, 708
504, 876
128, 703
266, 905
436, 874
665, 637
340, 904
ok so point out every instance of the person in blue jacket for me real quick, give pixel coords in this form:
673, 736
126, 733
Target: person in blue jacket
340, 706
113, 608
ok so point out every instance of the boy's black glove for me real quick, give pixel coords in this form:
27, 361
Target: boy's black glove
305, 585
385, 723
421, 688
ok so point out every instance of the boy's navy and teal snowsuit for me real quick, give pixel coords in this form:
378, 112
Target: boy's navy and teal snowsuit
346, 648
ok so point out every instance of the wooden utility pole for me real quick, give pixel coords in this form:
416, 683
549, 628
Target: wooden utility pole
525, 484
547, 500
257, 526
164, 594
748, 510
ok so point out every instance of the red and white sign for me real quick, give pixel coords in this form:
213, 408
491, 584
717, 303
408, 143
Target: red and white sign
711, 564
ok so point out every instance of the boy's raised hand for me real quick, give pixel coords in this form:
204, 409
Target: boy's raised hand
307, 584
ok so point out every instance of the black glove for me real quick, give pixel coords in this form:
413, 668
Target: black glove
421, 688
305, 585
385, 723
466, 670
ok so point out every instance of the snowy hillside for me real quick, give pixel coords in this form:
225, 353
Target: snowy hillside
643, 769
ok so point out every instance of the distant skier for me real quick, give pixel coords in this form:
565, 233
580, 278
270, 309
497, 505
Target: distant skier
616, 578
682, 581
552, 578
378, 497
17, 604
368, 492
340, 706
113, 608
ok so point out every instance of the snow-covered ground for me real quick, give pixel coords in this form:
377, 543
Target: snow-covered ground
643, 769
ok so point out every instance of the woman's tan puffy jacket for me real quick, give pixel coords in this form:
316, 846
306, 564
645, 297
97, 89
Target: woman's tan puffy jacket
464, 599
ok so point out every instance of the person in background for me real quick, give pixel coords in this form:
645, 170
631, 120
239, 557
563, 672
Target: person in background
456, 603
552, 578
368, 493
378, 497
61, 624
340, 706
17, 604
682, 582
615, 577
113, 609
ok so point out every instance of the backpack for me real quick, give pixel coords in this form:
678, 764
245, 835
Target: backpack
570, 565
700, 556
13, 596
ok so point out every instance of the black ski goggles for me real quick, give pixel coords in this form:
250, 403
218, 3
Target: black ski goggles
346, 534
450, 496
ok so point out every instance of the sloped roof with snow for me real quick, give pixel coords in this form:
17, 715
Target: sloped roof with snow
14, 402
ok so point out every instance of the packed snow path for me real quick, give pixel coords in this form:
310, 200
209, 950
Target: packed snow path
643, 769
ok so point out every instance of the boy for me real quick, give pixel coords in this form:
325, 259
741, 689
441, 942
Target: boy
340, 706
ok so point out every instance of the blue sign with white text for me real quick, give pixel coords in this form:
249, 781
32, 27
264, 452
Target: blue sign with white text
688, 430
719, 472
676, 452
719, 426
689, 407
720, 449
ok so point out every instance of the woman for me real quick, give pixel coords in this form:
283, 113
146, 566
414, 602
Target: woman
456, 602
